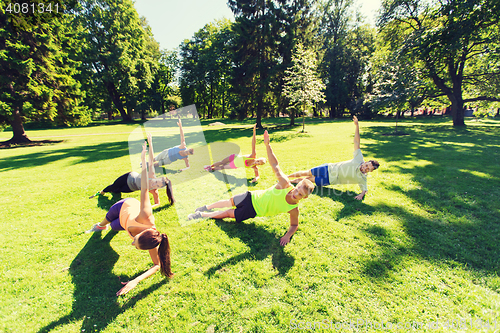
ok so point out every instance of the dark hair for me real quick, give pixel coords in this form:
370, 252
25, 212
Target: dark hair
375, 164
151, 238
169, 190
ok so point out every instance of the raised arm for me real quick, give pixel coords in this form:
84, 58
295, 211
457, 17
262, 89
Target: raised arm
254, 141
356, 133
146, 210
151, 157
283, 181
183, 142
256, 171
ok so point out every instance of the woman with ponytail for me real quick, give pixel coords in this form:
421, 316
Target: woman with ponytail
131, 182
136, 218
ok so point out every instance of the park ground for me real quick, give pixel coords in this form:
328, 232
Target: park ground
421, 251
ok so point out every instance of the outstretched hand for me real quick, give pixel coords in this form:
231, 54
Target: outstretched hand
355, 119
266, 137
128, 286
150, 139
179, 122
359, 196
284, 240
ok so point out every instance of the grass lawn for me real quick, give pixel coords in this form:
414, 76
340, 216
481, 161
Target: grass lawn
422, 249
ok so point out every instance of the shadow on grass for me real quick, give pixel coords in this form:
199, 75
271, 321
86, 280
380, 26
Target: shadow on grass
95, 299
454, 173
231, 181
104, 202
351, 205
33, 143
261, 242
84, 154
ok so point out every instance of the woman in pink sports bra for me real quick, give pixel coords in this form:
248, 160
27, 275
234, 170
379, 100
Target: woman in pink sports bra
239, 161
136, 218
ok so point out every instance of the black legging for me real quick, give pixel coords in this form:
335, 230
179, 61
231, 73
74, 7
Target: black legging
120, 185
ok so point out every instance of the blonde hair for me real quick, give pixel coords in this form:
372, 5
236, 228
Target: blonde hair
262, 159
308, 184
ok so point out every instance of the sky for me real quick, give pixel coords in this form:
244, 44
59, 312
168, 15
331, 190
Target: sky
173, 21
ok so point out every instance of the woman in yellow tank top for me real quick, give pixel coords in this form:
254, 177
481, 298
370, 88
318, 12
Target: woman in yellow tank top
136, 218
240, 161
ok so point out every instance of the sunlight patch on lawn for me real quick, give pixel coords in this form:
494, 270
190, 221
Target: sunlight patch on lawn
477, 173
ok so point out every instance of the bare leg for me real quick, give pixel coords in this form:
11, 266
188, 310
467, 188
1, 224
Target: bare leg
99, 226
304, 173
220, 165
219, 214
298, 180
104, 222
221, 204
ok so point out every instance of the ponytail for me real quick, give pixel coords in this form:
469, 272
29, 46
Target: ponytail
164, 254
169, 190
151, 238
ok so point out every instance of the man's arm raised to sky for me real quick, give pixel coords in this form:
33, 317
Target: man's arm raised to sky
357, 139
283, 181
183, 141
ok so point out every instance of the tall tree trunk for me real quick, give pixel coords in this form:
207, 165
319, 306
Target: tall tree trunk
303, 119
223, 100
457, 113
19, 135
332, 112
259, 113
457, 109
115, 97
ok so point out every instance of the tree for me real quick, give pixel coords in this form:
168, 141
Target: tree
257, 30
37, 74
120, 52
347, 47
448, 38
302, 86
205, 68
164, 78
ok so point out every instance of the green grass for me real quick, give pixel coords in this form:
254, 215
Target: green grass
423, 247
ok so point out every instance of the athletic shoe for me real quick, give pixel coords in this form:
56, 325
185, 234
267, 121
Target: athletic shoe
203, 209
96, 227
194, 216
208, 168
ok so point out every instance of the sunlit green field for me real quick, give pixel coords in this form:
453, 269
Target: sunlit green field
422, 249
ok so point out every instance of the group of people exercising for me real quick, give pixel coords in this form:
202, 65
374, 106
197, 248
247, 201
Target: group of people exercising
136, 217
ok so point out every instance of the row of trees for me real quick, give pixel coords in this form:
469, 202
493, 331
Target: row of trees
100, 56
86, 57
441, 51
242, 66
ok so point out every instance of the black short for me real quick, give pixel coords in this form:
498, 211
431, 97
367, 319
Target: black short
244, 208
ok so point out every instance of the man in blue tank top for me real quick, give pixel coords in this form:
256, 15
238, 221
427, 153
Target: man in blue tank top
348, 172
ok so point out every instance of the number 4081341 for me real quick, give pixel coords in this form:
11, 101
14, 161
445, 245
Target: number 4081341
32, 8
